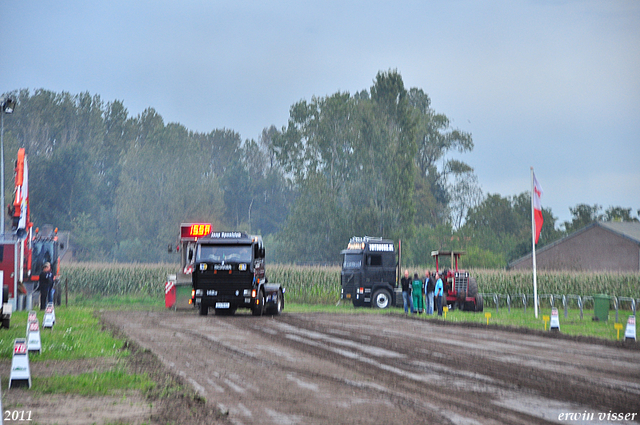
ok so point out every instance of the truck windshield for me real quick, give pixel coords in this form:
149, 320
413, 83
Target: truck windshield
352, 261
219, 254
43, 252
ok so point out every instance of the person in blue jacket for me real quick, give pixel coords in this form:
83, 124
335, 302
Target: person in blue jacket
439, 293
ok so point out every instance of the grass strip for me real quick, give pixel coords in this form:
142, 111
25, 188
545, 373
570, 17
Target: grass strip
75, 335
571, 325
112, 382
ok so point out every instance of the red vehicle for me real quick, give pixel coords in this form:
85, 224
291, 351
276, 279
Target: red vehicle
460, 289
23, 253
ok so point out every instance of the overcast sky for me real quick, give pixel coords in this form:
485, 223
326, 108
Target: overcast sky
549, 84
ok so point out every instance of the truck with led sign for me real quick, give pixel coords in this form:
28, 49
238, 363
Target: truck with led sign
368, 275
229, 273
186, 247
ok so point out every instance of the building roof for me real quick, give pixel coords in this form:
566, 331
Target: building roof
628, 229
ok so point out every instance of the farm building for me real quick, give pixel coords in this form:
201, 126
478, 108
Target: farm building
600, 246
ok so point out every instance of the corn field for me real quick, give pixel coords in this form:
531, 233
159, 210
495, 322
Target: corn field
109, 279
559, 282
321, 285
307, 284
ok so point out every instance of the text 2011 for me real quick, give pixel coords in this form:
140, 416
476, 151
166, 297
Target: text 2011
17, 415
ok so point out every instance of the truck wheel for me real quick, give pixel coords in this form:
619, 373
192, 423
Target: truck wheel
479, 303
204, 310
6, 323
5, 294
277, 309
473, 287
381, 299
258, 310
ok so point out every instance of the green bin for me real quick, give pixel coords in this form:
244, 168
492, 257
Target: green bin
601, 307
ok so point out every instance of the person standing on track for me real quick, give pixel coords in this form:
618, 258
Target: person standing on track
429, 289
45, 285
406, 292
417, 294
438, 293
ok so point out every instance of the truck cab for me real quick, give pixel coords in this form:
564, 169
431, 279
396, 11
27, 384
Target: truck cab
229, 273
368, 275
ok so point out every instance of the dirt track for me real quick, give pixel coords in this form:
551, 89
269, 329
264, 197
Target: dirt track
385, 369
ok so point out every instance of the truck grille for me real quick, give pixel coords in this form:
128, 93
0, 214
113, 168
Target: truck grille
462, 282
350, 281
224, 282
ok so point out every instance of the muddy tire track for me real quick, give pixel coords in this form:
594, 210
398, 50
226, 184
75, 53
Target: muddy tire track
361, 368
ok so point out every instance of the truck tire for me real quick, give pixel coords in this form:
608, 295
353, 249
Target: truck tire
203, 310
381, 299
6, 323
277, 309
473, 287
258, 310
5, 294
479, 303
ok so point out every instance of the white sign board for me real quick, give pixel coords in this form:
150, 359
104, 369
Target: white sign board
555, 322
630, 332
33, 337
49, 317
20, 363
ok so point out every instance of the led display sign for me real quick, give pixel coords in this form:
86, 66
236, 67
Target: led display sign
195, 230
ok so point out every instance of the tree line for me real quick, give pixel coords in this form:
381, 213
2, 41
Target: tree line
380, 162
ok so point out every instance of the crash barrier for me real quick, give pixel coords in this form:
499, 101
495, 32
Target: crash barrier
556, 300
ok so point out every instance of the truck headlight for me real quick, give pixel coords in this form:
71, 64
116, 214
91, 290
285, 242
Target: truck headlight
246, 292
198, 292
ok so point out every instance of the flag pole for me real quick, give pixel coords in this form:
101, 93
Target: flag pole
533, 243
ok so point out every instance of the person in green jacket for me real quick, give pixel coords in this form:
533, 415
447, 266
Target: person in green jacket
417, 294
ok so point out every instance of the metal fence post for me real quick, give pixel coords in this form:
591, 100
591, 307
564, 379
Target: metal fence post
496, 299
615, 304
564, 303
580, 305
509, 303
524, 302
